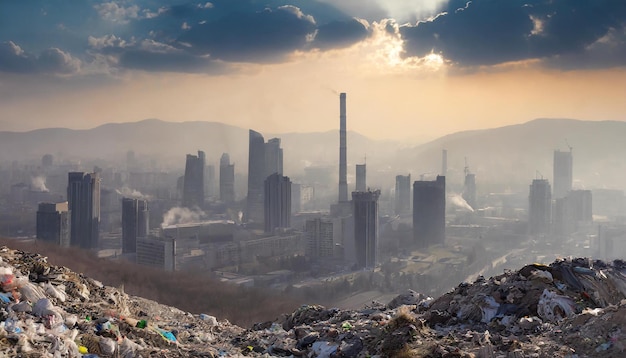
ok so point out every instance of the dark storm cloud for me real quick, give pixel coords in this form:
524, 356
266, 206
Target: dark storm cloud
53, 60
487, 32
176, 61
338, 34
262, 36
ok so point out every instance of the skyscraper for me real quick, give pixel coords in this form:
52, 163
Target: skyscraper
429, 211
256, 177
563, 174
83, 197
343, 166
273, 157
540, 207
277, 202
135, 218
193, 185
365, 211
53, 223
361, 178
403, 194
227, 179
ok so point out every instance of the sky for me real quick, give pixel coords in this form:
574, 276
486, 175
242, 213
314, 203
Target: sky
412, 69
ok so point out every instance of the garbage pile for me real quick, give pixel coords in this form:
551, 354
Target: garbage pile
571, 308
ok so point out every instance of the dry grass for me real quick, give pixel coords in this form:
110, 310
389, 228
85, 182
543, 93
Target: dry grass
189, 291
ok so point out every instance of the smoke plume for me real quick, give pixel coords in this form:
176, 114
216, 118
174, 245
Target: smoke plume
132, 193
458, 201
39, 183
179, 215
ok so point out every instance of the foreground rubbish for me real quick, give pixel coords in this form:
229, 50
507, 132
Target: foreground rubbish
571, 308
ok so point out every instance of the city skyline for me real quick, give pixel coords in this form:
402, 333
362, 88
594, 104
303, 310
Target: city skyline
124, 61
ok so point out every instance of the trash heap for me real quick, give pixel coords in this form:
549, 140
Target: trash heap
571, 308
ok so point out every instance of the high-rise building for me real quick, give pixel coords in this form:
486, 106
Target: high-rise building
157, 252
296, 198
273, 157
193, 182
277, 202
319, 238
403, 195
227, 179
563, 174
83, 197
365, 211
256, 177
539, 207
429, 211
53, 223
135, 220
572, 212
209, 181
361, 177
343, 161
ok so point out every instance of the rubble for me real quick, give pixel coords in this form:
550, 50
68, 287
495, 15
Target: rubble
571, 308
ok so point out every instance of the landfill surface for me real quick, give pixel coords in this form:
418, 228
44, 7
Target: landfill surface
572, 308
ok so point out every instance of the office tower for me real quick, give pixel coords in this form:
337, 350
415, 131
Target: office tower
365, 211
209, 181
403, 194
429, 211
444, 162
296, 198
135, 218
83, 197
273, 157
277, 202
563, 176
53, 223
540, 207
361, 179
343, 172
256, 176
572, 211
227, 179
319, 238
469, 188
193, 182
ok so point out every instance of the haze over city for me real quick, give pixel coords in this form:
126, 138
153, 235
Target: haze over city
447, 175
412, 64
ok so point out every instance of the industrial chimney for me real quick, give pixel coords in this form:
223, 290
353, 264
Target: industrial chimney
343, 175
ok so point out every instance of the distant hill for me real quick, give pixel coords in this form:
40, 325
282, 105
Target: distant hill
517, 154
170, 142
513, 155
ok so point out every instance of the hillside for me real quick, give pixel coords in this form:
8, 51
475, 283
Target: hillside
571, 308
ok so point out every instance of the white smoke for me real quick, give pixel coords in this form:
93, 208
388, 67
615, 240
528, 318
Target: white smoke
132, 193
39, 183
179, 215
458, 201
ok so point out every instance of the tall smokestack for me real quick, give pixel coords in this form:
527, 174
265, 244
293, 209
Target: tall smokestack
444, 162
343, 174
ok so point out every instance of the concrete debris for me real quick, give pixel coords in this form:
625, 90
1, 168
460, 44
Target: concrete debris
571, 308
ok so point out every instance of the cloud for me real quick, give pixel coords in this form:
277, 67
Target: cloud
338, 34
490, 32
52, 60
112, 11
265, 36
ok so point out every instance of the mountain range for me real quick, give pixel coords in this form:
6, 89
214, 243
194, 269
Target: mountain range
509, 156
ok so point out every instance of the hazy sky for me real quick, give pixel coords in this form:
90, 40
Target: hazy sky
412, 69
